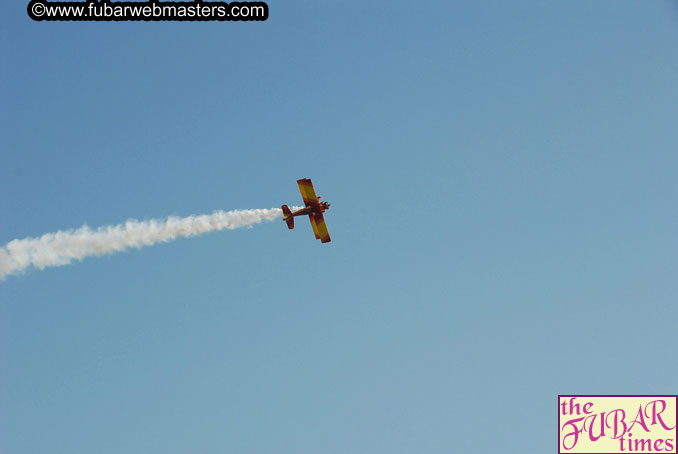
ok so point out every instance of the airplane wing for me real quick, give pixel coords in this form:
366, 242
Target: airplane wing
315, 226
307, 192
320, 228
316, 217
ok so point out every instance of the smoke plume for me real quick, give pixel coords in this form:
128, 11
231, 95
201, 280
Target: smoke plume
62, 247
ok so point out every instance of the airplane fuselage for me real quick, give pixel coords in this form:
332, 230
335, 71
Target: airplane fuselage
308, 209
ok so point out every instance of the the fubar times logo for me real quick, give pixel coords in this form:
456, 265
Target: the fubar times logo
617, 424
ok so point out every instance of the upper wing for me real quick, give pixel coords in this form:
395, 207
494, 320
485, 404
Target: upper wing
320, 228
307, 192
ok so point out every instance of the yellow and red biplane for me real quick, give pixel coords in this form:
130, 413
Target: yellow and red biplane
314, 208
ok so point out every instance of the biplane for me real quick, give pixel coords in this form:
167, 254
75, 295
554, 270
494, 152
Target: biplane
314, 208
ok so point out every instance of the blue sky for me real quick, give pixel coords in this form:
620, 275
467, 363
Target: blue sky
503, 183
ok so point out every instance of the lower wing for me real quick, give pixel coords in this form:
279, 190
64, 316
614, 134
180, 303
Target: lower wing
319, 227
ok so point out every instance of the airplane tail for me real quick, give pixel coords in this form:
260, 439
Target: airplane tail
287, 217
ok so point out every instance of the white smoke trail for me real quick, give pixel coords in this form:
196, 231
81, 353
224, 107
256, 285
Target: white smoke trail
62, 247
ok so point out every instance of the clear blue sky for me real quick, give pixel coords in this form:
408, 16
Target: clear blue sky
503, 180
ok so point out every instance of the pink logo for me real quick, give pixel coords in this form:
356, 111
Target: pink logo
617, 424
